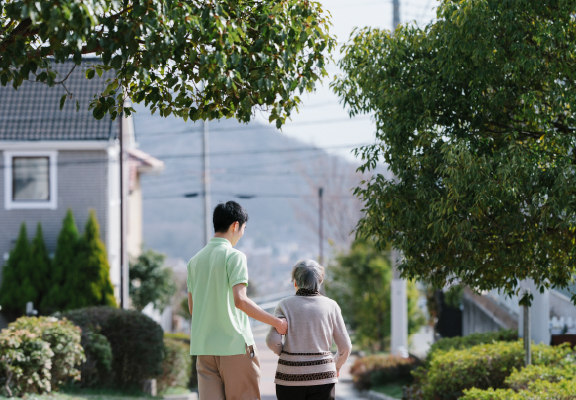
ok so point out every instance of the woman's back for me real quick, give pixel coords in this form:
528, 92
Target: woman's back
305, 356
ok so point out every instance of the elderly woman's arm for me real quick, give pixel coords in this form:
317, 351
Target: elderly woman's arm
341, 339
274, 339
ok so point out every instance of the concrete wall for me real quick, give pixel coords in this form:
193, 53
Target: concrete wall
482, 313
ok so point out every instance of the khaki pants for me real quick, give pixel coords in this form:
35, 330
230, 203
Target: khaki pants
229, 377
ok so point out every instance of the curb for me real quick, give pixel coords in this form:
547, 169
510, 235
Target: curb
188, 396
372, 395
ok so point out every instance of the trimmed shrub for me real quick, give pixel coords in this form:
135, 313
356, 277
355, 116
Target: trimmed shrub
25, 362
378, 370
483, 366
185, 338
88, 280
62, 265
538, 390
64, 341
136, 340
97, 368
176, 366
16, 288
465, 342
521, 379
39, 267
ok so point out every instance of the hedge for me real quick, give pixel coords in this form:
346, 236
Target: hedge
39, 354
538, 390
521, 379
465, 342
379, 370
185, 338
483, 366
64, 340
176, 366
136, 340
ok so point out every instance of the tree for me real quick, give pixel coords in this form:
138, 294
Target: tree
16, 288
360, 282
38, 269
151, 281
62, 265
248, 55
88, 281
474, 116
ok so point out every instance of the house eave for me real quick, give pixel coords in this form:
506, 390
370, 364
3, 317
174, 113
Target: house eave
55, 144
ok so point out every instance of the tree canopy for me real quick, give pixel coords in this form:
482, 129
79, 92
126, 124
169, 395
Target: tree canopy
475, 117
151, 281
198, 59
359, 281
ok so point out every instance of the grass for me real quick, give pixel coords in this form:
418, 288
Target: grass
392, 390
175, 390
73, 393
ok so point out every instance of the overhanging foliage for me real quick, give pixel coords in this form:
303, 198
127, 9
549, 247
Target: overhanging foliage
474, 116
202, 59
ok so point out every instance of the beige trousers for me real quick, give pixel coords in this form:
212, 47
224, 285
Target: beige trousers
229, 377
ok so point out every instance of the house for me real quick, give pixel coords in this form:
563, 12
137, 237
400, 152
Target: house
53, 160
552, 312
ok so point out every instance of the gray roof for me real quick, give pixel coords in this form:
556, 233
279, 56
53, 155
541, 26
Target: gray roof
33, 111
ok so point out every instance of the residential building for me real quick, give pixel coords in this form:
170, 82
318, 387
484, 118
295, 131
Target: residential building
53, 160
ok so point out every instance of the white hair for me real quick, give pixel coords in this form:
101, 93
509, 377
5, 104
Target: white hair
308, 274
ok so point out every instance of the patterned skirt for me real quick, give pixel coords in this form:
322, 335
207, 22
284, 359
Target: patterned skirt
306, 369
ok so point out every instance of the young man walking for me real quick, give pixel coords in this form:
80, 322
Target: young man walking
228, 365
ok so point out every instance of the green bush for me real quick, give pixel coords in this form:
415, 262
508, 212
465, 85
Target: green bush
184, 338
538, 390
17, 289
483, 366
464, 342
136, 340
25, 362
64, 341
379, 370
98, 366
521, 379
176, 366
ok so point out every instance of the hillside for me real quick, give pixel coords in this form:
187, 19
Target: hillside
251, 160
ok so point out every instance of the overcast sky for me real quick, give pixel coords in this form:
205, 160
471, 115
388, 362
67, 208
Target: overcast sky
322, 121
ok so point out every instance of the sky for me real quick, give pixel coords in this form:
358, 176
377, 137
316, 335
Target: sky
322, 121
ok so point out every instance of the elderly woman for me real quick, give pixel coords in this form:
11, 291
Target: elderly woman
307, 370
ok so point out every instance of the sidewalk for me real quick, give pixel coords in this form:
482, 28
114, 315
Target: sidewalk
269, 361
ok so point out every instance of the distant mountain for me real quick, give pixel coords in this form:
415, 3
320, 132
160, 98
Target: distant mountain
277, 176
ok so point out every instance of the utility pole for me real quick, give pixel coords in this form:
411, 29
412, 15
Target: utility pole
527, 333
321, 224
124, 296
206, 178
399, 298
395, 13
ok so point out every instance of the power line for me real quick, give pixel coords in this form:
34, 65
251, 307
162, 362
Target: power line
216, 154
245, 196
256, 127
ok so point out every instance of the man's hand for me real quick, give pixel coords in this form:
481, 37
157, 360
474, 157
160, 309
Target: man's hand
282, 327
242, 302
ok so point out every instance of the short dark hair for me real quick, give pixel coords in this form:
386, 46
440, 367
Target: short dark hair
225, 214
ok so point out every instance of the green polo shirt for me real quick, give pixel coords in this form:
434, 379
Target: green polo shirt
218, 327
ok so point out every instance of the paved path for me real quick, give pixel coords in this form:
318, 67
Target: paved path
269, 361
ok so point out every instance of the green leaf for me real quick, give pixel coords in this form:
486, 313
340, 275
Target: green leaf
62, 101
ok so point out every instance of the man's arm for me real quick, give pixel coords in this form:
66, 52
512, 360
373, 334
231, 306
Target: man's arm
190, 302
243, 303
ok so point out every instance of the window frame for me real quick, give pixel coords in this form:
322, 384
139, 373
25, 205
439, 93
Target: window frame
9, 202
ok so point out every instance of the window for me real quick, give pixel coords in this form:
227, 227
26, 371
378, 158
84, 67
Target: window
30, 180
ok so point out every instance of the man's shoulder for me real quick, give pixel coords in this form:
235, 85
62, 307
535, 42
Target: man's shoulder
235, 253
